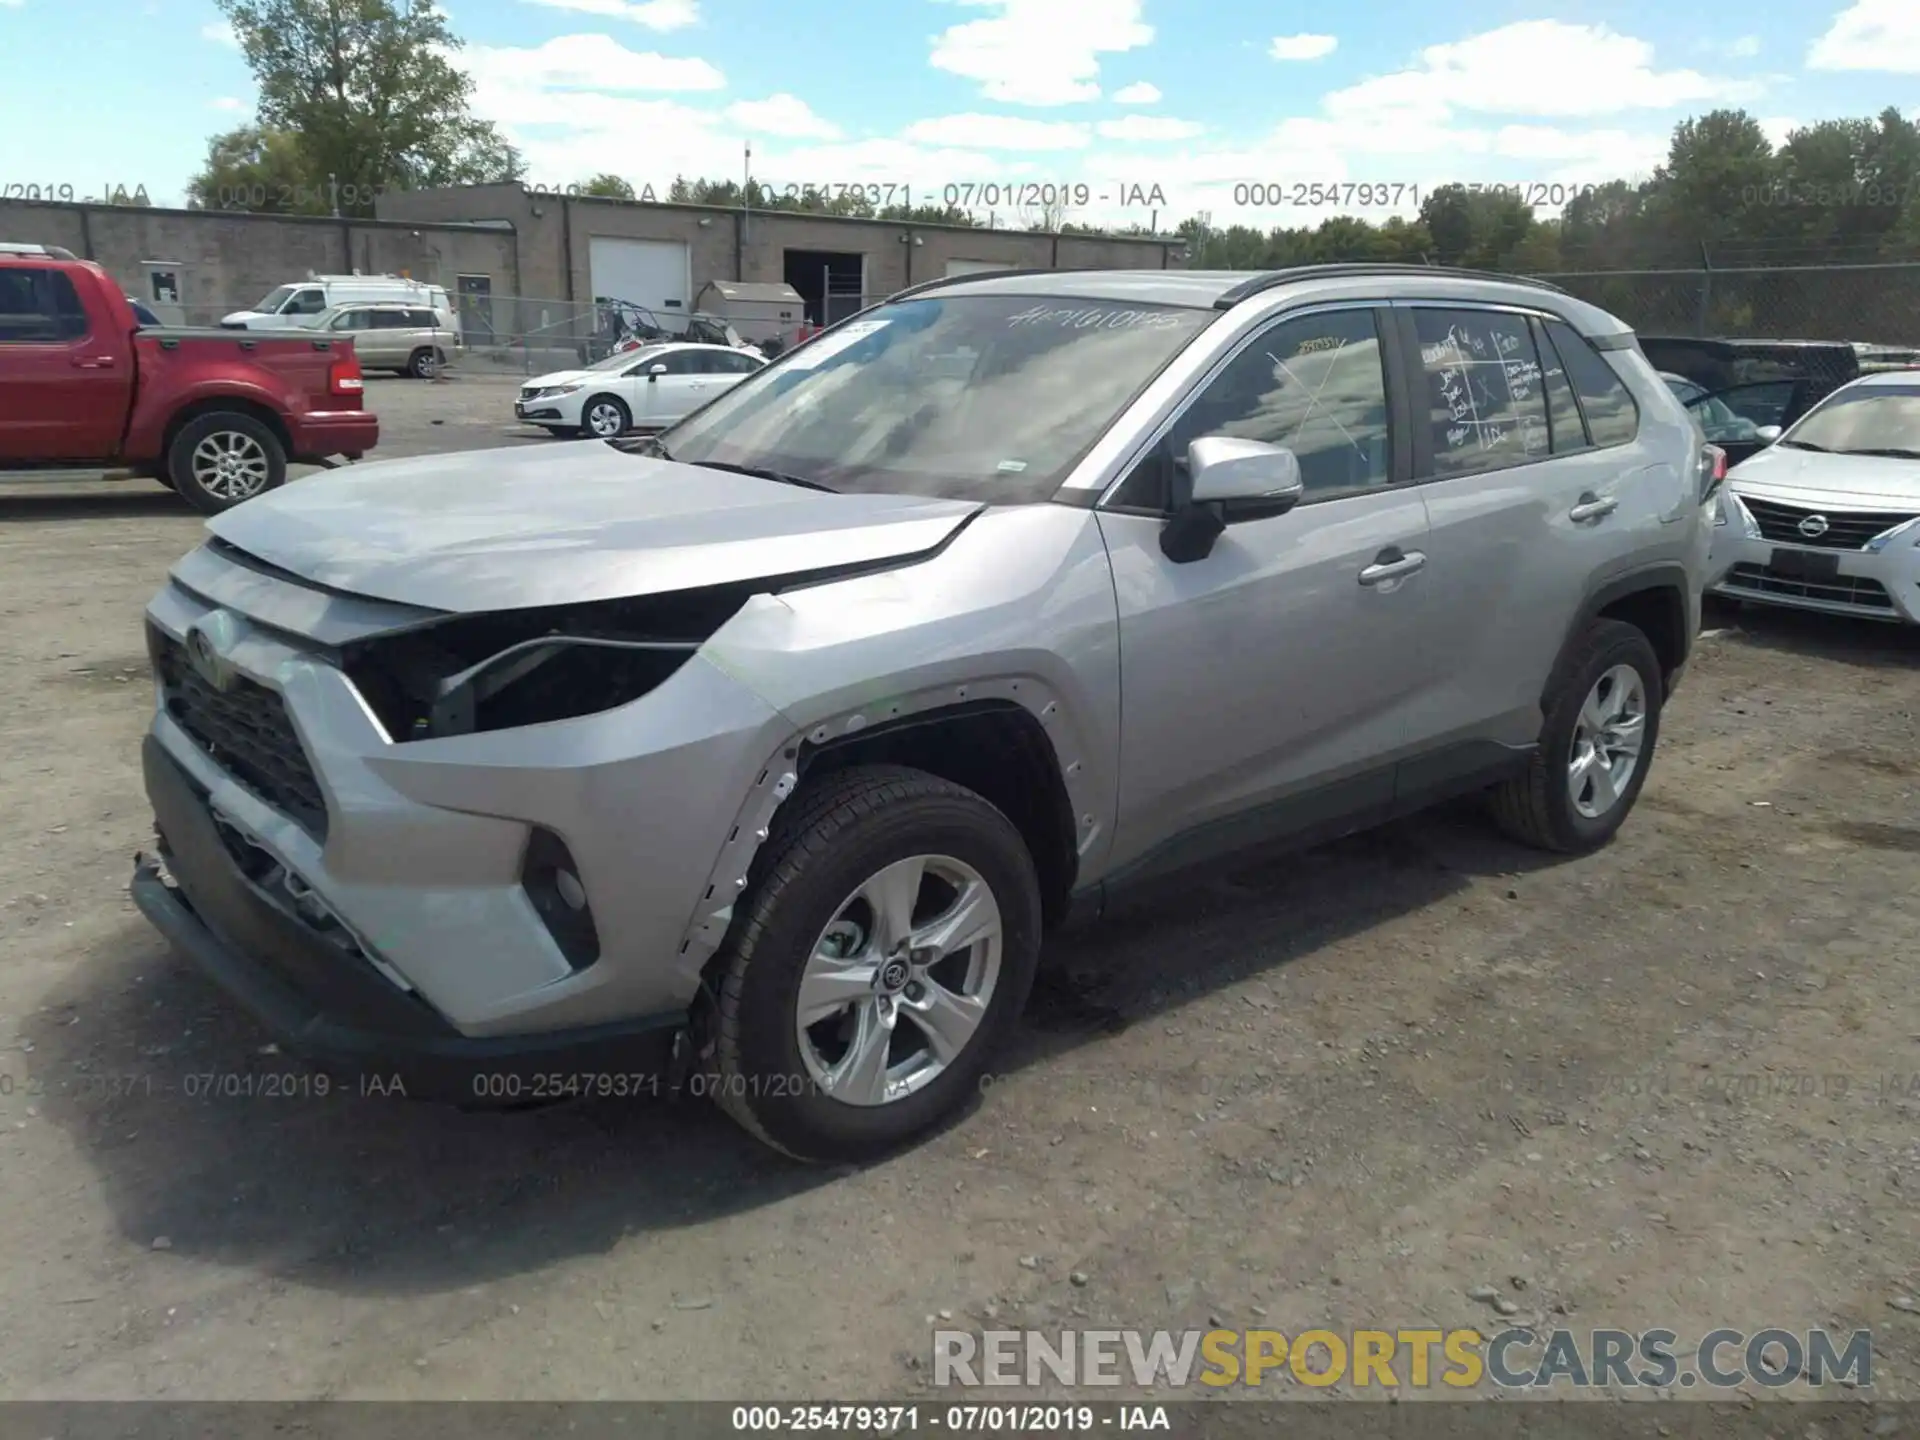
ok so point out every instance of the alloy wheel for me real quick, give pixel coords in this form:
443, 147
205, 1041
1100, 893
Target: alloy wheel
230, 465
898, 983
1607, 740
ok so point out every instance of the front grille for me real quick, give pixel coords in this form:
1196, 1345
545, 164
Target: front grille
1846, 529
246, 730
1838, 590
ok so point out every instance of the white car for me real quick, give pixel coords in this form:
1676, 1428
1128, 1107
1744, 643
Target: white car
635, 389
1828, 516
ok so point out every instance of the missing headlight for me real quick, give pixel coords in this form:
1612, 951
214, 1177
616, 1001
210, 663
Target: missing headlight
521, 667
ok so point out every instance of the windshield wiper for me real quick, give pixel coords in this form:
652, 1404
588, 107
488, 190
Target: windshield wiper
1890, 452
1804, 445
757, 472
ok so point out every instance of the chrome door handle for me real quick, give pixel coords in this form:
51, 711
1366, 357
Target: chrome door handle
1592, 507
1382, 570
97, 362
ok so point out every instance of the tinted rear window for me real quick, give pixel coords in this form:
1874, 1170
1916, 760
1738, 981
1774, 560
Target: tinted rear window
1611, 414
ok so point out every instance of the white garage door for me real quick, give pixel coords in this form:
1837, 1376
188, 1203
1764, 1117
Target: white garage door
653, 273
973, 267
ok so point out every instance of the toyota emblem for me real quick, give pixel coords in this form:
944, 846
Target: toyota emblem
205, 641
1814, 526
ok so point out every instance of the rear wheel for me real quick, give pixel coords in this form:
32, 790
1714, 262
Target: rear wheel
221, 459
884, 951
424, 363
604, 417
1602, 724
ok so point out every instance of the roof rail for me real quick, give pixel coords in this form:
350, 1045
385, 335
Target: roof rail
1272, 279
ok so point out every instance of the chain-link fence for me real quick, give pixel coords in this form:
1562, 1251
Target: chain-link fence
1871, 304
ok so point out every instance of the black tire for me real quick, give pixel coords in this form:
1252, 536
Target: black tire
613, 402
826, 842
1536, 807
424, 363
235, 428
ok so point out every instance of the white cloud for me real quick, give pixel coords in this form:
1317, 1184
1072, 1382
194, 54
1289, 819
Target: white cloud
1744, 48
1532, 67
654, 14
1871, 35
1302, 47
517, 81
220, 33
12, 4
1149, 128
1040, 52
998, 132
1778, 127
785, 115
1138, 93
226, 102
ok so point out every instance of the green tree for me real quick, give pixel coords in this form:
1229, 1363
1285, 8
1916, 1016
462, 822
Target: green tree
254, 168
608, 186
370, 93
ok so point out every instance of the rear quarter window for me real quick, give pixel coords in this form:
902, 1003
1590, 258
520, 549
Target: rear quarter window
1612, 415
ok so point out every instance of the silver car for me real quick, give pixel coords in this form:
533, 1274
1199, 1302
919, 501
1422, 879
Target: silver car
1828, 516
765, 753
393, 335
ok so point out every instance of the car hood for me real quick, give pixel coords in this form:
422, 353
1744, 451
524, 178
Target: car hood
1812, 478
506, 529
564, 377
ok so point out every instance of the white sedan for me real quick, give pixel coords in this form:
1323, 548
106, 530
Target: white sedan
635, 389
1828, 516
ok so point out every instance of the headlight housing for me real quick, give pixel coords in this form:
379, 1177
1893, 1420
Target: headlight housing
568, 389
503, 669
1908, 531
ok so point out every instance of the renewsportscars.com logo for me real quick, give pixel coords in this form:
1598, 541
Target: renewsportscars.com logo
1514, 1359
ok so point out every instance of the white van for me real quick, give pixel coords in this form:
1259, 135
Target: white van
302, 303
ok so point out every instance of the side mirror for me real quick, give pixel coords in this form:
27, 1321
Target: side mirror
1227, 480
1767, 434
656, 370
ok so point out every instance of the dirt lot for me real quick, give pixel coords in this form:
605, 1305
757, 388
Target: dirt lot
1673, 1084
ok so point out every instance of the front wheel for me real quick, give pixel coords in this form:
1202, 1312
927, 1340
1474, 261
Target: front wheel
883, 953
1602, 724
221, 459
604, 417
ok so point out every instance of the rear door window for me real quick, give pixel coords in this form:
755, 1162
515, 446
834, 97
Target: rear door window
1485, 399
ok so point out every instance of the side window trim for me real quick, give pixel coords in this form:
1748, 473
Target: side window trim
1400, 457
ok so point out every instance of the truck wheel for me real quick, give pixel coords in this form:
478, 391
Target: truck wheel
219, 460
605, 417
883, 953
1602, 724
424, 363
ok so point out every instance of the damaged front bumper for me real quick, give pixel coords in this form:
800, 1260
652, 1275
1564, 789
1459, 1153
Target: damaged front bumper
377, 902
328, 1003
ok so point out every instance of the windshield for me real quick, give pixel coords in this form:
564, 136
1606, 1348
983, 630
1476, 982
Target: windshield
968, 397
621, 359
275, 299
1878, 418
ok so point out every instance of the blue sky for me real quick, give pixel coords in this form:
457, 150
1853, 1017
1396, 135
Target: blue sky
1193, 98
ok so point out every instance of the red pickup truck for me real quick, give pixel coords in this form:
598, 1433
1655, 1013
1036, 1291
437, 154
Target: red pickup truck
215, 414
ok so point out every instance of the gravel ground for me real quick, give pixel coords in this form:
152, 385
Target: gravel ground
1674, 1084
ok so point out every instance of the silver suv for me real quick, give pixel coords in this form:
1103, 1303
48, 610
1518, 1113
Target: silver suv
764, 753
